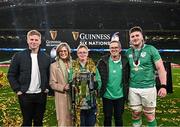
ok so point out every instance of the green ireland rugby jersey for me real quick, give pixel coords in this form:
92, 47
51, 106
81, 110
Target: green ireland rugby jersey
142, 71
114, 88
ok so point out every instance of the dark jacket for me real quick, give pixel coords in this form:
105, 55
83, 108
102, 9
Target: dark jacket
19, 74
103, 67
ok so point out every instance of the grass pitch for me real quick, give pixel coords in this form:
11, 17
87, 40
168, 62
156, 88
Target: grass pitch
167, 112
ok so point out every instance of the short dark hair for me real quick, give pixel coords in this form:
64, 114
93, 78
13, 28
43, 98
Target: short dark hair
118, 42
135, 28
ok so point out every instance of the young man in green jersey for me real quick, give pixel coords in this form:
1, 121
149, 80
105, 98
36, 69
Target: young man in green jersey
143, 60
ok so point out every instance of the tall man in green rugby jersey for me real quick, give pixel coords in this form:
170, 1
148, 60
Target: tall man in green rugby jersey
143, 60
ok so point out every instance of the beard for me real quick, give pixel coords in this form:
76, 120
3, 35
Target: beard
137, 44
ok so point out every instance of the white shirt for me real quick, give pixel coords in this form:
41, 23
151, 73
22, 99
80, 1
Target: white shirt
35, 76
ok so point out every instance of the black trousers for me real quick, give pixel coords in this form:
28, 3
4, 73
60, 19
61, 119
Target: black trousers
113, 106
33, 107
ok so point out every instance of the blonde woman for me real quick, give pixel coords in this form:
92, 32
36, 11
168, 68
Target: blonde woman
59, 71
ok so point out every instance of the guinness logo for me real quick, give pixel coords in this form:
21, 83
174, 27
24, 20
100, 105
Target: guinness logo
75, 35
53, 34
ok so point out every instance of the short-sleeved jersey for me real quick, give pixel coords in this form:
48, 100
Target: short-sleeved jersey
114, 88
142, 74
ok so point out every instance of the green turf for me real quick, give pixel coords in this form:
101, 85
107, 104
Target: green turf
4, 69
167, 108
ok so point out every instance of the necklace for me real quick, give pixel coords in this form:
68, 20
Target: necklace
136, 61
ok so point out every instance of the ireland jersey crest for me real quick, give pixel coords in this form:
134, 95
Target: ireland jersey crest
143, 54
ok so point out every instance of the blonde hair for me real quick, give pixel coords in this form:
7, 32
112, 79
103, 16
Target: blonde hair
61, 45
33, 32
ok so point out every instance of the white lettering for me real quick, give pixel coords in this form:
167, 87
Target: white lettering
84, 36
98, 43
52, 43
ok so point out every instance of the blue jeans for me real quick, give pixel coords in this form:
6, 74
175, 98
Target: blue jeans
88, 117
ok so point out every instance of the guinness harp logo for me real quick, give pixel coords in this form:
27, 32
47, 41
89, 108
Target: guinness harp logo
53, 34
75, 35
